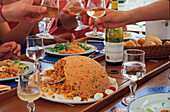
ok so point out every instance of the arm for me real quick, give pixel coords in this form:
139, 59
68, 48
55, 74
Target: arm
155, 11
17, 34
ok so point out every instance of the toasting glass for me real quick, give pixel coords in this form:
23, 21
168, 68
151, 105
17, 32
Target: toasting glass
133, 68
52, 11
76, 6
95, 9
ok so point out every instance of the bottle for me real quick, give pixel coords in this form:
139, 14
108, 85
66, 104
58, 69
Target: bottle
114, 45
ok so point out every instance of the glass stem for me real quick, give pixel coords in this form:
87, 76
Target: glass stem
140, 31
79, 20
132, 87
31, 106
95, 28
36, 66
47, 24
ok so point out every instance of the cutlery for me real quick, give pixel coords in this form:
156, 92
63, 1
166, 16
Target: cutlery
51, 83
94, 53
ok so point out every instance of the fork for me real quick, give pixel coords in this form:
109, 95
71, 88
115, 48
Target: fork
51, 83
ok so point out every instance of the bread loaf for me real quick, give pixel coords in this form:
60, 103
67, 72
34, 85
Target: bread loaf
154, 39
149, 43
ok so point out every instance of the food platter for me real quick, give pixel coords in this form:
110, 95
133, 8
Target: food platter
130, 35
93, 48
61, 99
29, 64
150, 103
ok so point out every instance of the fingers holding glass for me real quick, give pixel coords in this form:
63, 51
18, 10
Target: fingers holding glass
95, 9
77, 7
52, 11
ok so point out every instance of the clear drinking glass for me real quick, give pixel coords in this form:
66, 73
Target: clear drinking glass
35, 50
76, 6
29, 89
52, 11
95, 9
140, 24
133, 68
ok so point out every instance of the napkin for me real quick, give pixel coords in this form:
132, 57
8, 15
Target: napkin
4, 87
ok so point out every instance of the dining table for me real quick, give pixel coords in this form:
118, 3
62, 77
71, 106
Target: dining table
157, 72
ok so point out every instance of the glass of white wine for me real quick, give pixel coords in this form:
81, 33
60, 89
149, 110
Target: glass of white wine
76, 6
133, 68
95, 9
52, 11
29, 89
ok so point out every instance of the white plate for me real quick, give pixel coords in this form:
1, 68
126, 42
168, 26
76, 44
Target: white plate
153, 102
133, 36
29, 64
61, 99
93, 48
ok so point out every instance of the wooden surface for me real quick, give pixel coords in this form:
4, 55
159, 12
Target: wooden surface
159, 80
9, 101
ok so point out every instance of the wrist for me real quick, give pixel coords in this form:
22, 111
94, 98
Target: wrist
5, 13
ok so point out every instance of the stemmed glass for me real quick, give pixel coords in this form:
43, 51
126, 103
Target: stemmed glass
95, 9
52, 11
133, 68
76, 6
140, 24
29, 86
29, 89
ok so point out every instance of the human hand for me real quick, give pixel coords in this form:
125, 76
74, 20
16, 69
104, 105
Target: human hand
10, 50
74, 7
93, 24
23, 10
114, 19
66, 37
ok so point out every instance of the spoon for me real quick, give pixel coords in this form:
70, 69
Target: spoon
51, 83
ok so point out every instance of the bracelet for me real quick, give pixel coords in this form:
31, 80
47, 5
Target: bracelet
1, 12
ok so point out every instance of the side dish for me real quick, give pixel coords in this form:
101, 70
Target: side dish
70, 48
9, 68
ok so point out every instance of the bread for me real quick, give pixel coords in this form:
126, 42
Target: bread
129, 43
167, 43
154, 39
149, 43
136, 43
141, 41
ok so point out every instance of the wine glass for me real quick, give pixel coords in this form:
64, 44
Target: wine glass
140, 24
35, 50
133, 68
52, 11
76, 6
95, 9
29, 89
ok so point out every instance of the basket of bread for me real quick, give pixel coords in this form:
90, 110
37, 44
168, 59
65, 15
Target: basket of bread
154, 47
